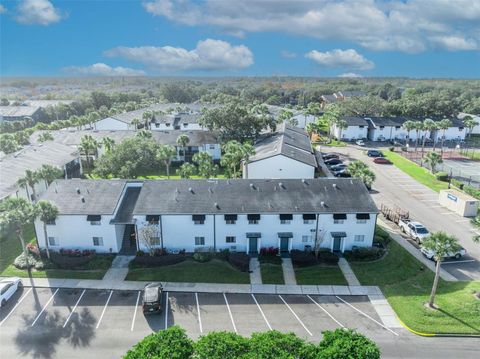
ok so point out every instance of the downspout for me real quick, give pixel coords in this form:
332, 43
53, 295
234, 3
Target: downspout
316, 232
161, 231
214, 235
373, 236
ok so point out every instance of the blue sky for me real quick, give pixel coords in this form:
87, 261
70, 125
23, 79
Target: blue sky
328, 38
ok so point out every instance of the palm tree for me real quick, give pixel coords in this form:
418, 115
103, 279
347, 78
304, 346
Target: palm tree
30, 179
311, 128
136, 122
183, 141
331, 116
433, 159
144, 133
49, 173
47, 212
93, 117
443, 125
409, 125
418, 128
16, 213
360, 170
441, 244
88, 146
108, 143
165, 154
341, 125
428, 126
147, 117
470, 123
186, 170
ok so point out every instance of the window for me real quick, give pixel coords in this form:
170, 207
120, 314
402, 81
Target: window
152, 219
397, 127
286, 218
361, 221
362, 217
253, 218
52, 241
230, 239
157, 125
199, 241
98, 241
212, 147
167, 124
382, 127
94, 219
359, 238
198, 219
460, 128
309, 218
156, 241
185, 125
361, 126
306, 239
338, 218
51, 223
230, 218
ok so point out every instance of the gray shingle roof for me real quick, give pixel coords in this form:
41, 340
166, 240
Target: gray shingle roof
355, 121
388, 121
289, 141
254, 196
179, 119
18, 111
101, 196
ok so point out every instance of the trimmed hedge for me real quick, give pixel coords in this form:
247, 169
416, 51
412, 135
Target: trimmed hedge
307, 259
202, 257
442, 176
364, 254
241, 261
157, 261
70, 261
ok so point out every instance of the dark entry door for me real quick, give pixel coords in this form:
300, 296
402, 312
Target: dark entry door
337, 244
284, 244
252, 245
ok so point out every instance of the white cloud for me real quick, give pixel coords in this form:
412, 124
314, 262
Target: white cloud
37, 12
349, 59
101, 69
3, 9
409, 26
350, 75
455, 43
288, 54
208, 55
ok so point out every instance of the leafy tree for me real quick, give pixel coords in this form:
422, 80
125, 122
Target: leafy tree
144, 133
171, 343
149, 235
49, 173
428, 126
45, 136
205, 165
443, 125
347, 343
183, 141
341, 125
418, 128
147, 117
233, 155
108, 144
441, 244
331, 116
274, 345
47, 212
8, 144
433, 159
4, 102
363, 106
88, 146
221, 345
360, 170
186, 170
17, 213
165, 153
470, 123
409, 125
30, 179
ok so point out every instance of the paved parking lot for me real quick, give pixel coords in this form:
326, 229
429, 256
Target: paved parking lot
46, 322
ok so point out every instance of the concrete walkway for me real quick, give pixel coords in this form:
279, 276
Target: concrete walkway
255, 274
384, 311
288, 272
119, 269
348, 272
415, 252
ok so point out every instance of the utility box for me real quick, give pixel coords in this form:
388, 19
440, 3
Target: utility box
459, 202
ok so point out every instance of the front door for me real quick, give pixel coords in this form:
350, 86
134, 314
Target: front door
337, 244
284, 244
252, 245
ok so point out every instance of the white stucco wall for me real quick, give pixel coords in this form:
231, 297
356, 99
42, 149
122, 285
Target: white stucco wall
278, 167
452, 133
351, 132
110, 124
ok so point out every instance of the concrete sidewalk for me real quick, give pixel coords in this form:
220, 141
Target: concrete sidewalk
348, 272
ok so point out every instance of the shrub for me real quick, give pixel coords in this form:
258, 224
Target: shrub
33, 261
442, 176
347, 343
71, 261
302, 258
144, 261
457, 183
274, 345
327, 257
268, 251
364, 254
223, 254
241, 261
383, 241
171, 343
32, 248
391, 149
202, 257
221, 345
472, 191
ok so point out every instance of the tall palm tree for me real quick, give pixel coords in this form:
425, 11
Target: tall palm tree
16, 213
360, 170
341, 125
30, 179
443, 125
108, 143
88, 146
147, 117
165, 154
428, 126
136, 122
49, 174
440, 243
433, 159
145, 133
47, 212
418, 128
408, 125
183, 141
470, 123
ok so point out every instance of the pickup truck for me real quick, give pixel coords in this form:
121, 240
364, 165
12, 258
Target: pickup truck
415, 230
453, 254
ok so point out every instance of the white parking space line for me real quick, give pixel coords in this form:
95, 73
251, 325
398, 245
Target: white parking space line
104, 308
462, 220
261, 312
449, 213
464, 261
135, 311
198, 311
166, 312
326, 312
15, 307
45, 307
75, 307
296, 316
230, 312
367, 316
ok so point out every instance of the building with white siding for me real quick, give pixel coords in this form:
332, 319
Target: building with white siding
357, 129
240, 215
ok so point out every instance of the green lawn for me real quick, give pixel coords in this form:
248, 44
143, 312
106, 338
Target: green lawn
407, 283
271, 273
215, 271
10, 247
472, 154
418, 173
320, 275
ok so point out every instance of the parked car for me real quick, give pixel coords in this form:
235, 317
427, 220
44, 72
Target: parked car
339, 167
415, 230
8, 287
360, 143
382, 160
328, 156
453, 254
333, 161
342, 174
374, 153
152, 298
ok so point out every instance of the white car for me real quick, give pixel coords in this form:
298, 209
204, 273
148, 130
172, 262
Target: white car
360, 143
454, 254
8, 287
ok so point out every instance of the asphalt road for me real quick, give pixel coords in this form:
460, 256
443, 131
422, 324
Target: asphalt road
393, 187
76, 323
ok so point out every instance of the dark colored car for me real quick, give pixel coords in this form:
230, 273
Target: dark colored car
342, 174
339, 167
333, 161
328, 156
152, 298
382, 161
374, 153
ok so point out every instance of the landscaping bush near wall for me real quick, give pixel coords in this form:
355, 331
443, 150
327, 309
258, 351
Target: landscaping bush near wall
241, 261
306, 259
442, 176
158, 261
364, 254
33, 262
65, 261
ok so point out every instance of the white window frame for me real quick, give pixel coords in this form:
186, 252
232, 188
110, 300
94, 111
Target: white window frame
53, 242
212, 147
359, 238
96, 223
308, 221
200, 240
202, 221
338, 221
230, 241
253, 221
99, 241
361, 221
285, 221
306, 238
156, 241
230, 221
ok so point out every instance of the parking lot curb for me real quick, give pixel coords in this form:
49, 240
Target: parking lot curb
447, 335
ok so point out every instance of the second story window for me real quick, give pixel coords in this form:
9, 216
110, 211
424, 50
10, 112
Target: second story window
362, 217
309, 218
230, 218
253, 218
338, 218
94, 219
198, 218
286, 218
51, 223
152, 219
